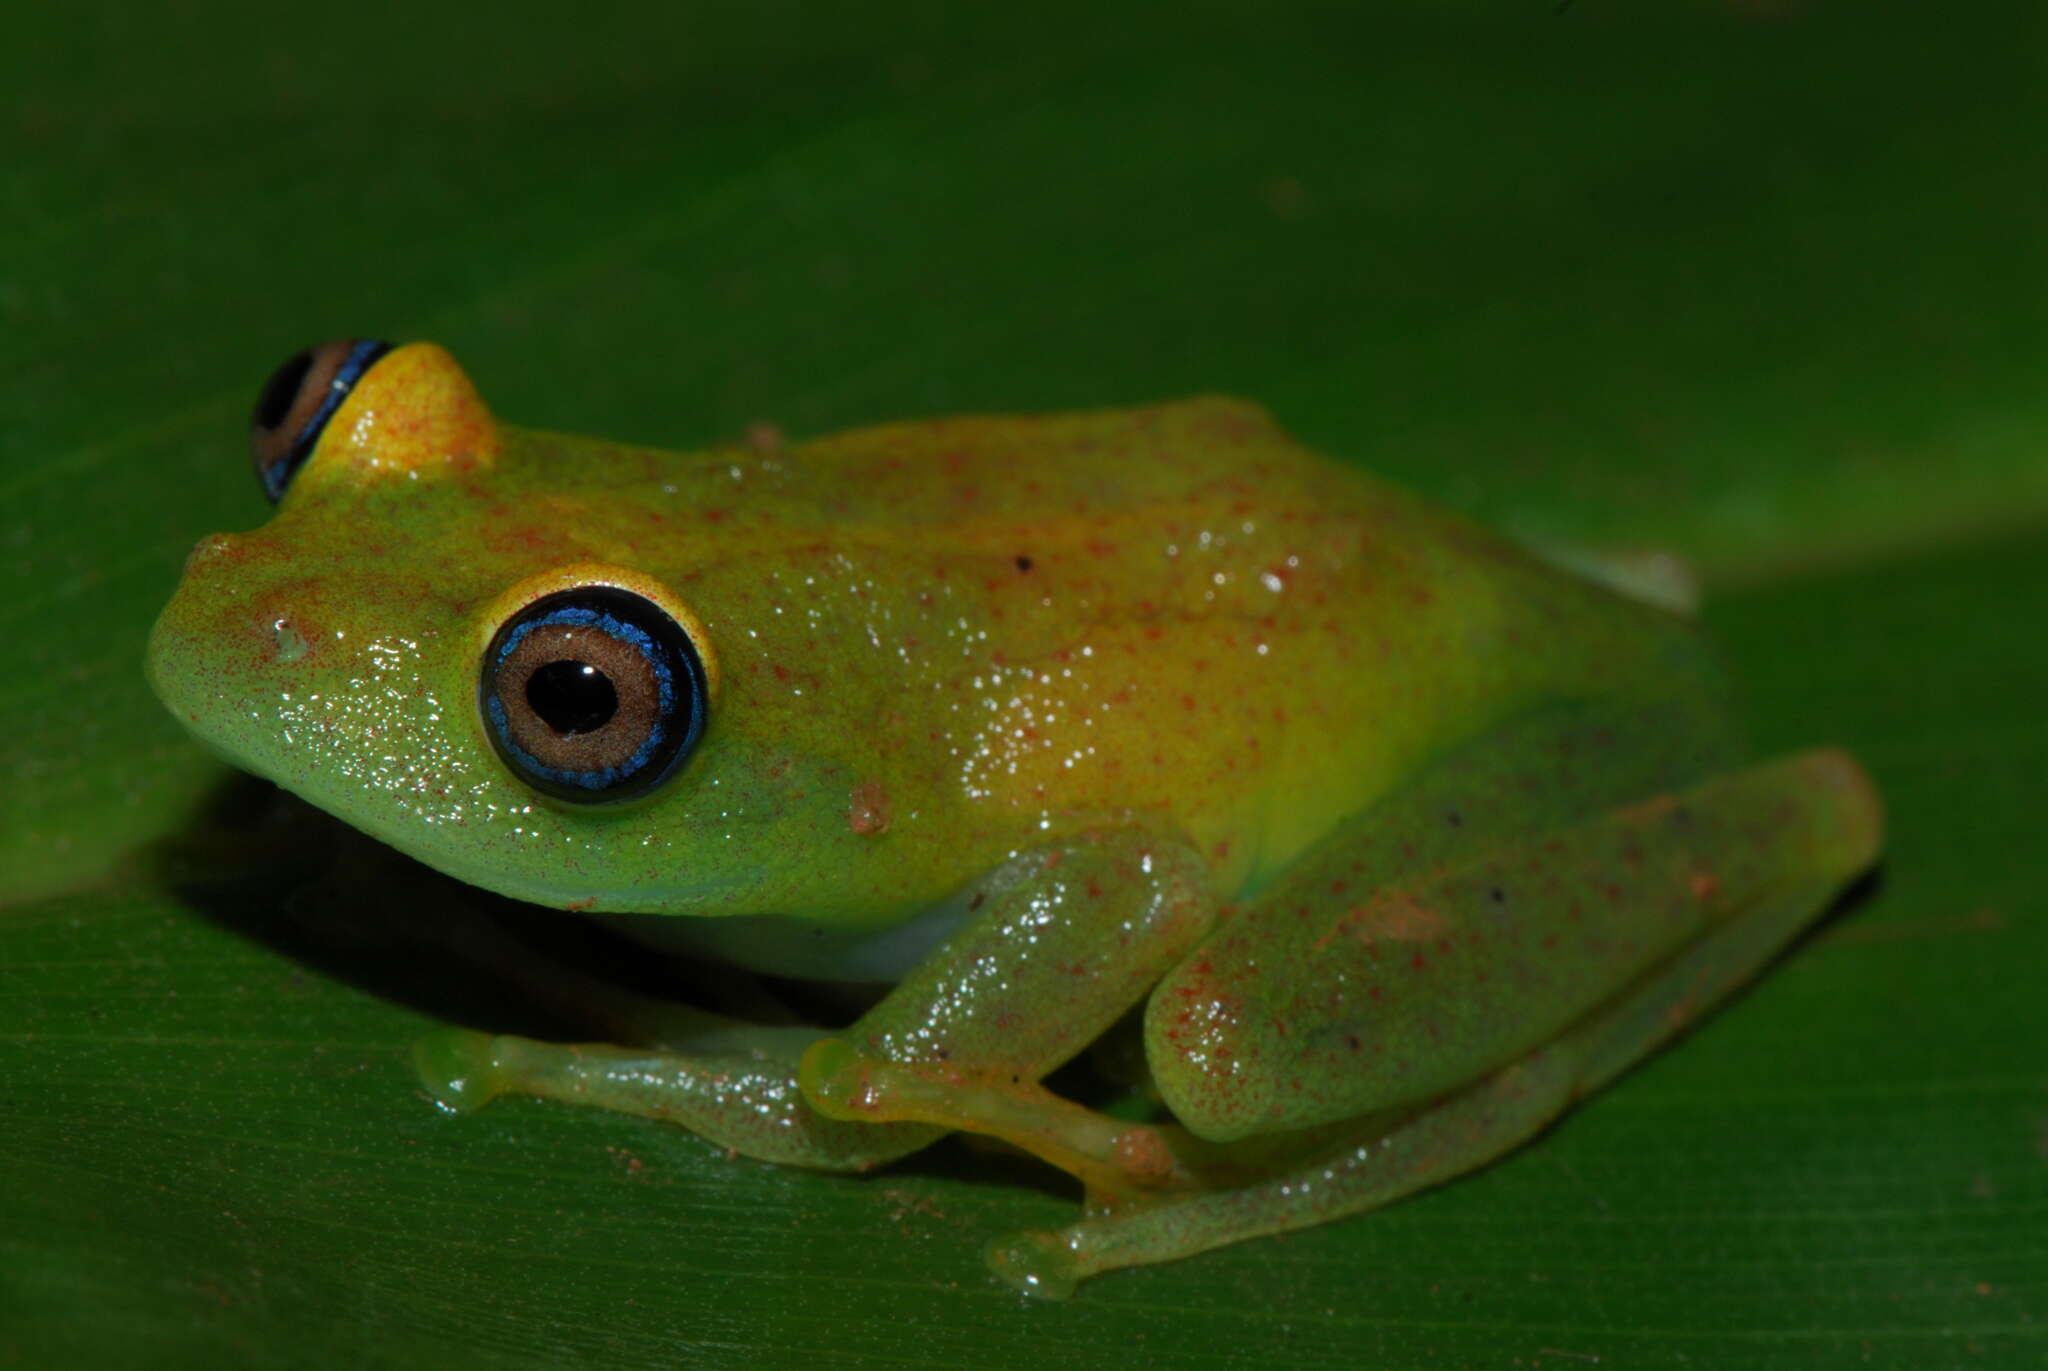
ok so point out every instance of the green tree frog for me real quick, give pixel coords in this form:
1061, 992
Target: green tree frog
1385, 838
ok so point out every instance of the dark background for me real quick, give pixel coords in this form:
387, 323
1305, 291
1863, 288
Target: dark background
1764, 283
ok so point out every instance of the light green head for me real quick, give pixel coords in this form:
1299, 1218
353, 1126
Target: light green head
573, 672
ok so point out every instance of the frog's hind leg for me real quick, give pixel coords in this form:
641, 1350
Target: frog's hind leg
1817, 820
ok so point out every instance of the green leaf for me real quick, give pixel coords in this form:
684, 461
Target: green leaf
1760, 285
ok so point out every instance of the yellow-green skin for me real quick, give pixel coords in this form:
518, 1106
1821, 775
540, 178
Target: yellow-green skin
939, 647
1218, 633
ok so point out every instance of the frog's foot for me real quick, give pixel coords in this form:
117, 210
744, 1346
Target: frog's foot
739, 1092
1371, 1164
1656, 576
1119, 1162
1036, 1263
459, 1068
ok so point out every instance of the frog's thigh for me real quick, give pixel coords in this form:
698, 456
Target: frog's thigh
1820, 819
1376, 982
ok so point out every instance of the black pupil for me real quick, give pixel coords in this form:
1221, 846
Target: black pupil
572, 696
279, 392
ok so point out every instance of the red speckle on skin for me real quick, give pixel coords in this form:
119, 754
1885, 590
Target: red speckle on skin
1187, 702
1418, 961
780, 672
578, 906
1704, 884
1101, 548
1338, 887
868, 809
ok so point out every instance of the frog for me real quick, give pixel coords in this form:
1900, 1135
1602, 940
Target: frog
1361, 839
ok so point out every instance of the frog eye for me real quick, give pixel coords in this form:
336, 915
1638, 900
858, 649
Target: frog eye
296, 403
592, 694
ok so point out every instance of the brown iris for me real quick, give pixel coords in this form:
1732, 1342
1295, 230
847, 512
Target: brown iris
592, 694
296, 403
578, 699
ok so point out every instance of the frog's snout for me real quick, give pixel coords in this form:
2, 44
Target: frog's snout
218, 633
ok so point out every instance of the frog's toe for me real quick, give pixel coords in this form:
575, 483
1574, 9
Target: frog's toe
837, 1080
460, 1068
1035, 1263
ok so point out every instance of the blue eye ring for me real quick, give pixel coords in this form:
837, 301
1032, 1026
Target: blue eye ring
297, 401
592, 695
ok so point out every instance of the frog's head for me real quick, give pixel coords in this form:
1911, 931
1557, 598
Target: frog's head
448, 636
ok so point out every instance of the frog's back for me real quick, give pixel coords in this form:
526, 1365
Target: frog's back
1022, 625
1178, 607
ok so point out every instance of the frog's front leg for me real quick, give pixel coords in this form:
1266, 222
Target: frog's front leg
1065, 939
